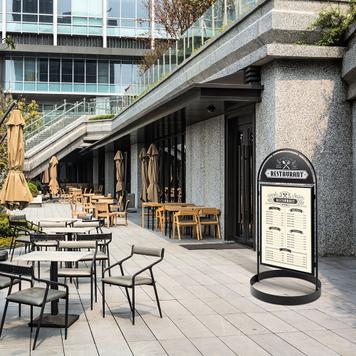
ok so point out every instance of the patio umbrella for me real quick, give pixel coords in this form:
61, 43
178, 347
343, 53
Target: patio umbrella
153, 189
15, 193
144, 179
53, 183
45, 176
119, 164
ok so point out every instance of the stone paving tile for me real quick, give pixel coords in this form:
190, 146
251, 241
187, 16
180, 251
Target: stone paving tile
147, 348
275, 345
242, 345
180, 347
212, 347
334, 342
271, 322
306, 344
246, 324
206, 303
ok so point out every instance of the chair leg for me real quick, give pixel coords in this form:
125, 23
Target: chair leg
31, 317
157, 299
128, 297
103, 298
219, 231
91, 292
38, 326
109, 264
133, 305
178, 228
95, 286
3, 316
66, 320
20, 287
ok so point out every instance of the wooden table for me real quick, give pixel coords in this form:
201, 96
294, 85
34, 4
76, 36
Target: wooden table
150, 206
54, 319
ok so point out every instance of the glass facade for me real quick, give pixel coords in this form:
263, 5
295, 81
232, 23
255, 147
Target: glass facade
69, 75
125, 18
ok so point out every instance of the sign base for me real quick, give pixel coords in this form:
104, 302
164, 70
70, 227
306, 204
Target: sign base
283, 299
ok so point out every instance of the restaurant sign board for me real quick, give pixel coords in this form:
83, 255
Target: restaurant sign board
286, 223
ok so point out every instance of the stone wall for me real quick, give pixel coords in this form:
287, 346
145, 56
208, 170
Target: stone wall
304, 107
205, 174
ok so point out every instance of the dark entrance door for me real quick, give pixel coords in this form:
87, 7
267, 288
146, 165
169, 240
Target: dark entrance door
240, 172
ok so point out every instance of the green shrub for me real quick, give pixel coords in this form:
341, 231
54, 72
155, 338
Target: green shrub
101, 117
33, 188
333, 25
4, 225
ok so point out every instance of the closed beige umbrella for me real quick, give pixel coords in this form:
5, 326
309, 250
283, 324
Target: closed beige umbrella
153, 190
119, 164
144, 180
15, 193
53, 183
45, 176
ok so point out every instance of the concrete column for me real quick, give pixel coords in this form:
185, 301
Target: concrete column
4, 19
304, 107
109, 170
105, 24
135, 173
95, 169
354, 172
55, 22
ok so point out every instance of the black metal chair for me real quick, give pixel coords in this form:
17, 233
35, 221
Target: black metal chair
131, 281
33, 296
103, 253
39, 241
81, 272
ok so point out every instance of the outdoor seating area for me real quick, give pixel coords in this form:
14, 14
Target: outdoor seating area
204, 297
181, 219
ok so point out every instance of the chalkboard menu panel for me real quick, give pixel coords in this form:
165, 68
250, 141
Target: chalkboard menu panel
286, 233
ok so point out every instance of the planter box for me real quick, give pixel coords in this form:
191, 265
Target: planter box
37, 201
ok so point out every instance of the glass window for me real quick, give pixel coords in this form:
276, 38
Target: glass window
78, 71
29, 18
64, 7
54, 70
142, 10
30, 69
46, 19
67, 71
42, 69
115, 73
18, 65
126, 72
95, 8
30, 6
113, 8
103, 72
128, 9
13, 5
46, 6
79, 8
91, 71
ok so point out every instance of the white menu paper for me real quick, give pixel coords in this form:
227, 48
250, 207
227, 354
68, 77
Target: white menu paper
286, 227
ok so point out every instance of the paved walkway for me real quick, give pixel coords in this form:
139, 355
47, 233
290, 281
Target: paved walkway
207, 306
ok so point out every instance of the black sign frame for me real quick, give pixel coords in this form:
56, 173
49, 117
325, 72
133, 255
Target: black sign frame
287, 168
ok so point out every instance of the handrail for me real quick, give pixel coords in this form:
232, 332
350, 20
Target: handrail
40, 119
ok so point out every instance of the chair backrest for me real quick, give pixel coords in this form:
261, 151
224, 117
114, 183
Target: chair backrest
17, 217
104, 238
15, 269
126, 205
86, 223
209, 211
52, 224
46, 237
148, 251
102, 207
77, 244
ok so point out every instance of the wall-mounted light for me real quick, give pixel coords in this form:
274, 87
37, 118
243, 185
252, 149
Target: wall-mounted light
211, 108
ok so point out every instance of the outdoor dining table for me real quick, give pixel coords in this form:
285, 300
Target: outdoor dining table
151, 206
69, 231
54, 319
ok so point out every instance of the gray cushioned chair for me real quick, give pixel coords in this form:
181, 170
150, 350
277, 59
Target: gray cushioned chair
81, 272
131, 281
33, 296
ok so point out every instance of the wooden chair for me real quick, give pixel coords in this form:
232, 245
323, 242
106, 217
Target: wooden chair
76, 213
186, 218
121, 214
117, 206
209, 217
102, 211
160, 219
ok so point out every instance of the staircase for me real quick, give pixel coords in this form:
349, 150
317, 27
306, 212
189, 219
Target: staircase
65, 129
